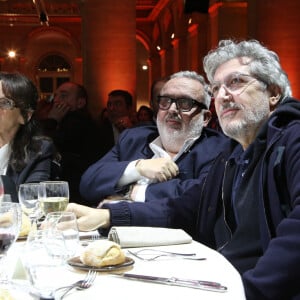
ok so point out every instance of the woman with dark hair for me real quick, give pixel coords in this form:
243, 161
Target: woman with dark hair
145, 115
25, 155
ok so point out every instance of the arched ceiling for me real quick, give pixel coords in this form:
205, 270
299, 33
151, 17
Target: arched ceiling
20, 12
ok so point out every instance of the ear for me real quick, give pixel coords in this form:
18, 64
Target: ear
206, 117
275, 96
273, 101
27, 118
81, 102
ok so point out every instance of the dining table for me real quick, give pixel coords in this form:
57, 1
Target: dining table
205, 265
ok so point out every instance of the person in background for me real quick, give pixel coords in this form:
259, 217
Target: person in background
74, 133
119, 116
145, 115
151, 165
249, 207
25, 154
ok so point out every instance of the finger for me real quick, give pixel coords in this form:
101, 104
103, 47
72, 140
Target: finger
161, 177
91, 222
173, 168
168, 174
79, 210
83, 224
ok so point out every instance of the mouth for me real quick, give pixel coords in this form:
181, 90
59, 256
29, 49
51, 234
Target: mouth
173, 122
227, 112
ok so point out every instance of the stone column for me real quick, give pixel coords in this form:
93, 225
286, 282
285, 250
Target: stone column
109, 49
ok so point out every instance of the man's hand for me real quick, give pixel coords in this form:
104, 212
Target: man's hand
123, 123
88, 218
58, 111
160, 169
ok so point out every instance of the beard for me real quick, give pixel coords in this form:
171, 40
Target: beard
174, 138
246, 125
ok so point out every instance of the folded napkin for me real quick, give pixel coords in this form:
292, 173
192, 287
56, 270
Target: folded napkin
132, 236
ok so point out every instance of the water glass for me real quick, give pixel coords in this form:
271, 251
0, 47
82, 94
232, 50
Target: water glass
5, 198
10, 224
43, 257
66, 223
53, 196
28, 197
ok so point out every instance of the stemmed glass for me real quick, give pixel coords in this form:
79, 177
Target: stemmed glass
28, 198
9, 229
53, 196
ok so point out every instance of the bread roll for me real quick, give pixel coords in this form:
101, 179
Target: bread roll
102, 253
26, 226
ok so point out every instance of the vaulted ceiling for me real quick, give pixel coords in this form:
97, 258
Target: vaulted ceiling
22, 12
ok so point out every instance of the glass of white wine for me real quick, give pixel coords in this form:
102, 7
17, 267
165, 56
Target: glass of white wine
53, 196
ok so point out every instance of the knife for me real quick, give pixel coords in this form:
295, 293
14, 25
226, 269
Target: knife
192, 283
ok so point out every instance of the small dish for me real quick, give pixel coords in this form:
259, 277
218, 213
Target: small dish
76, 263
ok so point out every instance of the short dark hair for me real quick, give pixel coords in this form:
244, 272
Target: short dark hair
125, 94
81, 91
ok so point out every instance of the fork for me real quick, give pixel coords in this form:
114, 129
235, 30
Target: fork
80, 284
161, 253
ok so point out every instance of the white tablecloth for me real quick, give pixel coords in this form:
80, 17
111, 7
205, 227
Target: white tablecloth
214, 268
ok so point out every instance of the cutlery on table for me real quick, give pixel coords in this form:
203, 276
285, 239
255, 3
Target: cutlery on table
141, 254
80, 284
192, 283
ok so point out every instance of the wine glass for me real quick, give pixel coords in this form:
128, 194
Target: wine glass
66, 223
10, 221
43, 257
5, 198
28, 198
53, 196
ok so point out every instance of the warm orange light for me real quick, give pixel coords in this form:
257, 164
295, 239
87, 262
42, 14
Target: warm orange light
12, 53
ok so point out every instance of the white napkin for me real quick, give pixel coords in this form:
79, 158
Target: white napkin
132, 236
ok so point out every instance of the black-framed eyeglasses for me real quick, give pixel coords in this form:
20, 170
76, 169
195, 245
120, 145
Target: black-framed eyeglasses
234, 83
182, 104
7, 103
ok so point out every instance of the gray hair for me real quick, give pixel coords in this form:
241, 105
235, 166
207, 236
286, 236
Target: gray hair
194, 75
264, 64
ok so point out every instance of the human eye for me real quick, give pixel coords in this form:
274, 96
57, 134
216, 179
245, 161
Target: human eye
164, 101
63, 96
184, 103
6, 103
234, 82
215, 89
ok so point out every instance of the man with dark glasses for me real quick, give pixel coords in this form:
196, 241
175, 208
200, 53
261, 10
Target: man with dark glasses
151, 165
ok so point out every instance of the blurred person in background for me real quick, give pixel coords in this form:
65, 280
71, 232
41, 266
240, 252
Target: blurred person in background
74, 133
119, 116
145, 116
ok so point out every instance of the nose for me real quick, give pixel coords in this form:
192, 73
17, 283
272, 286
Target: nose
223, 94
173, 107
